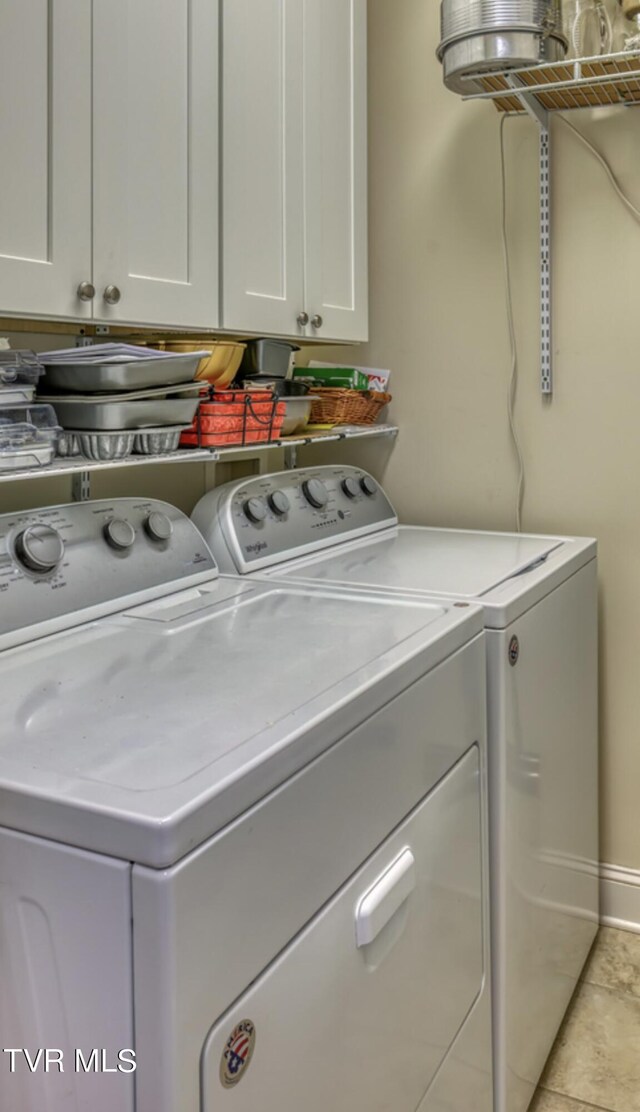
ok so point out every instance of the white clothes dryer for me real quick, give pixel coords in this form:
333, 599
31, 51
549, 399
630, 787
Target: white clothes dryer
242, 832
334, 528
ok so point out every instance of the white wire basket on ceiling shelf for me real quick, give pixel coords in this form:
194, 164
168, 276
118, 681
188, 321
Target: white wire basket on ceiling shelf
605, 80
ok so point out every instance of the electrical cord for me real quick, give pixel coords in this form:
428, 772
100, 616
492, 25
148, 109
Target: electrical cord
513, 379
605, 166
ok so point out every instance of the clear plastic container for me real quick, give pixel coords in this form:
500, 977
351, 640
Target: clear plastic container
19, 366
28, 425
15, 394
588, 27
21, 459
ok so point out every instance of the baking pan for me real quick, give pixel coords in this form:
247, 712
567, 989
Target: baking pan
68, 445
120, 412
158, 442
298, 412
90, 378
105, 446
118, 416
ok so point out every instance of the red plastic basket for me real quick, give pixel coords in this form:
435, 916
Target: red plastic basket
235, 417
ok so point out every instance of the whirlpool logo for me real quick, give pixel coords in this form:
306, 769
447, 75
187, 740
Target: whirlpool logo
253, 549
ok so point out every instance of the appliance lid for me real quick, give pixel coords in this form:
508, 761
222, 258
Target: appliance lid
143, 734
446, 562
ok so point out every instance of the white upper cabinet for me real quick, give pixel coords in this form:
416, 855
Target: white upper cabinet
335, 126
45, 139
262, 235
295, 167
155, 165
111, 150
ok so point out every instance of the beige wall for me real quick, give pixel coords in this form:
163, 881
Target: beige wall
438, 319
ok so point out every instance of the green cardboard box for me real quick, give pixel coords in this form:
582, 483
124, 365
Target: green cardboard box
346, 377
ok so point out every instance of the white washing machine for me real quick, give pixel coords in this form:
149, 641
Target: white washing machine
242, 833
334, 528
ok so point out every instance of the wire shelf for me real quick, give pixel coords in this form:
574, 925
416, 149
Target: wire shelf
77, 465
612, 79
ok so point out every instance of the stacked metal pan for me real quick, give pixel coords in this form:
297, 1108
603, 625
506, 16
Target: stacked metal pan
115, 400
483, 35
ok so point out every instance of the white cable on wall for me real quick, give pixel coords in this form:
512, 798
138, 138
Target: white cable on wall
605, 166
513, 380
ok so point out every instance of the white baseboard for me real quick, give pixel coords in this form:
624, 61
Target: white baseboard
620, 898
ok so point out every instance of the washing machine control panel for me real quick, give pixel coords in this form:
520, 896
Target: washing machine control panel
261, 521
62, 562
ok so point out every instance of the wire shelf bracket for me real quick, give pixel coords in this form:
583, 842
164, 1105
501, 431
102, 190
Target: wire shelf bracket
539, 90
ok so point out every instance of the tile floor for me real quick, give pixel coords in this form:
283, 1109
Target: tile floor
595, 1064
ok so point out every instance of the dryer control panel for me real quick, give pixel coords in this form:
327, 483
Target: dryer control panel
65, 564
256, 523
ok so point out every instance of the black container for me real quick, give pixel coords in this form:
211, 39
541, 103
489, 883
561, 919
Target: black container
267, 357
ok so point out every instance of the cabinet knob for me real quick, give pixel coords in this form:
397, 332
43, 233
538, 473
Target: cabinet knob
303, 319
86, 291
112, 295
317, 321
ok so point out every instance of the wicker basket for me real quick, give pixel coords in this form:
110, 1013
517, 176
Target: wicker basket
347, 407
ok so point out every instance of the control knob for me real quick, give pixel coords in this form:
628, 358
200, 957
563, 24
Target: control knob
279, 503
39, 548
315, 493
369, 486
158, 526
120, 534
255, 509
351, 487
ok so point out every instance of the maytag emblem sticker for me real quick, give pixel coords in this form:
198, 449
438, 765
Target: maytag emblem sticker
514, 651
237, 1054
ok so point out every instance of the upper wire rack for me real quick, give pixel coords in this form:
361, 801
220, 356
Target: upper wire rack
584, 83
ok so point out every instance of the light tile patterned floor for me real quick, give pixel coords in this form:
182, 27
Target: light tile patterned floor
595, 1064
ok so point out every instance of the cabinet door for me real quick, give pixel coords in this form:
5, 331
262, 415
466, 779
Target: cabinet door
156, 160
335, 127
262, 165
45, 138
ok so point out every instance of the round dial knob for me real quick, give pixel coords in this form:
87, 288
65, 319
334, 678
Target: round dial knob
255, 509
351, 487
315, 493
368, 485
119, 533
158, 526
279, 503
40, 548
